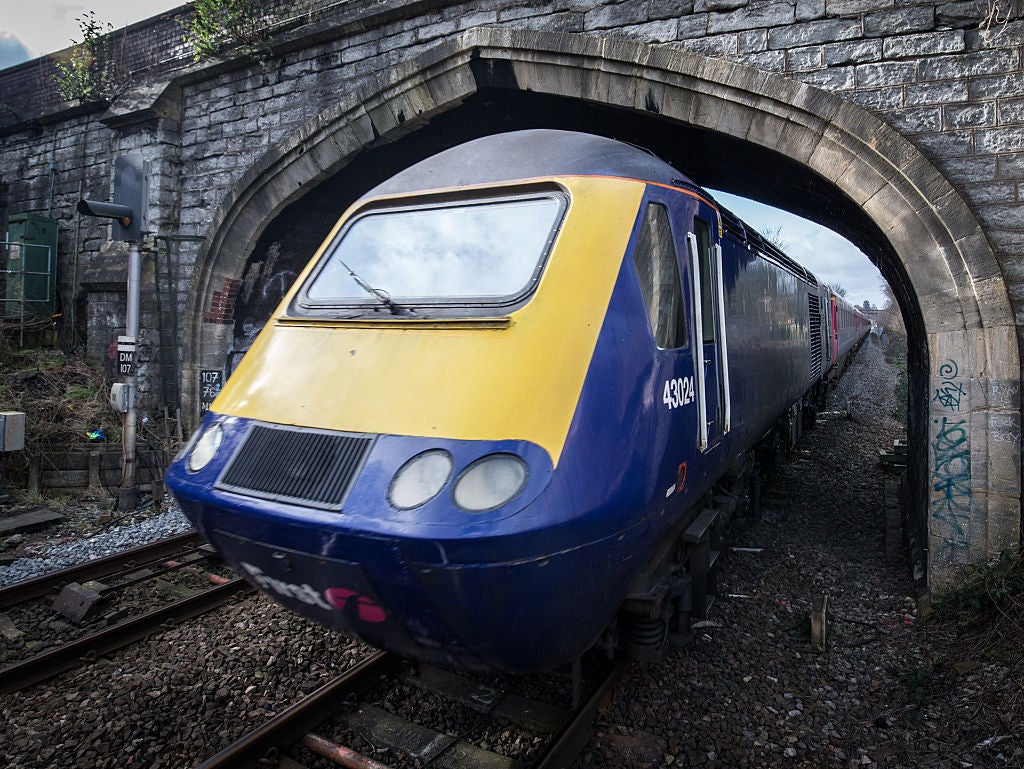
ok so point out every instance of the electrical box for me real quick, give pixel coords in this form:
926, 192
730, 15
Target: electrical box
120, 392
31, 266
12, 430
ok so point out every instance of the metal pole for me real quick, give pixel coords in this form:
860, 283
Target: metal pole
128, 494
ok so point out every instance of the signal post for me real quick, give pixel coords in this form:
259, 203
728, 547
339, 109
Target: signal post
127, 210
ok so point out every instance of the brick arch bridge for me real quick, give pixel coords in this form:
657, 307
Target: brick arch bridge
900, 127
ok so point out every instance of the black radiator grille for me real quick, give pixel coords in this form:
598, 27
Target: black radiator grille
309, 467
814, 315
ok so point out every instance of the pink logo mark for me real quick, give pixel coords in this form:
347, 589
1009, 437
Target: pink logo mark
366, 609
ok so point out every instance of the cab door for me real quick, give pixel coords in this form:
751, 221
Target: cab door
709, 308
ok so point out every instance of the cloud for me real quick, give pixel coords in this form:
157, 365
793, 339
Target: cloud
832, 258
12, 51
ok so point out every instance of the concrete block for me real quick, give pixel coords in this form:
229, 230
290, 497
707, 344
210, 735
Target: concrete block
878, 99
976, 65
852, 52
920, 94
756, 14
752, 41
798, 59
693, 26
924, 44
914, 18
714, 45
619, 15
948, 144
557, 22
1008, 139
989, 193
813, 32
956, 14
76, 601
832, 79
28, 521
1011, 111
663, 31
669, 9
807, 10
703, 6
885, 74
854, 7
1001, 216
767, 61
917, 120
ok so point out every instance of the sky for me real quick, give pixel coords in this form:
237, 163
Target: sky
31, 29
831, 257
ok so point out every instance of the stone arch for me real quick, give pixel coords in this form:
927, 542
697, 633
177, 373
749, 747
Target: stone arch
967, 471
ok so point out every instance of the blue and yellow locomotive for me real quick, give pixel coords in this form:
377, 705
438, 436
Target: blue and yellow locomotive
505, 409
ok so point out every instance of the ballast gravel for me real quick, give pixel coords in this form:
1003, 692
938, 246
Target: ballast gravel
887, 690
99, 545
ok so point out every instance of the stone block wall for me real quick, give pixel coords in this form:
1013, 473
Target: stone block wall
929, 70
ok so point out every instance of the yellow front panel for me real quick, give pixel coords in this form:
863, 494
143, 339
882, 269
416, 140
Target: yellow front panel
519, 379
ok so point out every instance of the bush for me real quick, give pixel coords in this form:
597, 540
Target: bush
219, 24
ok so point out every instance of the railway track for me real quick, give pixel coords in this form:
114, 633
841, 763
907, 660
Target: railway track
385, 712
128, 560
106, 633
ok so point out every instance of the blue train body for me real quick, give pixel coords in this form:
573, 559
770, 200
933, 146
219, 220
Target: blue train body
624, 389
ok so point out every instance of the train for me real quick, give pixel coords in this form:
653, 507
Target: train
502, 419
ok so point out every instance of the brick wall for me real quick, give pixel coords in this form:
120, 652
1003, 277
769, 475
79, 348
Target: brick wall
29, 91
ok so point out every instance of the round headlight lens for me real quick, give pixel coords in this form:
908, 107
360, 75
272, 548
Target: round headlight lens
420, 479
205, 448
490, 482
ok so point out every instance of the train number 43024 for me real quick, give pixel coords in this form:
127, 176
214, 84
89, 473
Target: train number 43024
678, 392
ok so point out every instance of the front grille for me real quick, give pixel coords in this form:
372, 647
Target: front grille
309, 467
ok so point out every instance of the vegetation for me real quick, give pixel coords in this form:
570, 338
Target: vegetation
837, 289
990, 594
219, 24
985, 606
90, 72
64, 399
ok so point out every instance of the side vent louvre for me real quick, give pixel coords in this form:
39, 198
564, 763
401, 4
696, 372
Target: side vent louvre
814, 316
306, 467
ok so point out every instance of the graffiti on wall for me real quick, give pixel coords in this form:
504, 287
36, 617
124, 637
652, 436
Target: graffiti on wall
950, 467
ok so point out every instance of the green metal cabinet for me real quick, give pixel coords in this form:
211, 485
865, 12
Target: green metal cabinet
31, 266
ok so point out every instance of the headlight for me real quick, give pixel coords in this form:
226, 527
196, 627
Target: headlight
420, 479
490, 482
205, 448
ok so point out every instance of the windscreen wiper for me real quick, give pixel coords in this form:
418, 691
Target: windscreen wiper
382, 296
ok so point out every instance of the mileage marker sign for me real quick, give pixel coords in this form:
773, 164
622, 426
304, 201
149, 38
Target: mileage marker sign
125, 355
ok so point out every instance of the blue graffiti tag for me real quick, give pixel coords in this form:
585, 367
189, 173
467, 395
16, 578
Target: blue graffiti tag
951, 480
949, 393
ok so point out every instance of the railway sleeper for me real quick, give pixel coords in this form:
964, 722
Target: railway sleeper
534, 720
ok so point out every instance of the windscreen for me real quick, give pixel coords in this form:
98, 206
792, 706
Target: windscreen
480, 252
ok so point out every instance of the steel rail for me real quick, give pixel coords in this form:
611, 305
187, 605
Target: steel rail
299, 722
578, 728
293, 724
54, 661
36, 587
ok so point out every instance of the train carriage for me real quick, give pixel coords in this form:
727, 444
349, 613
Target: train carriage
487, 424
